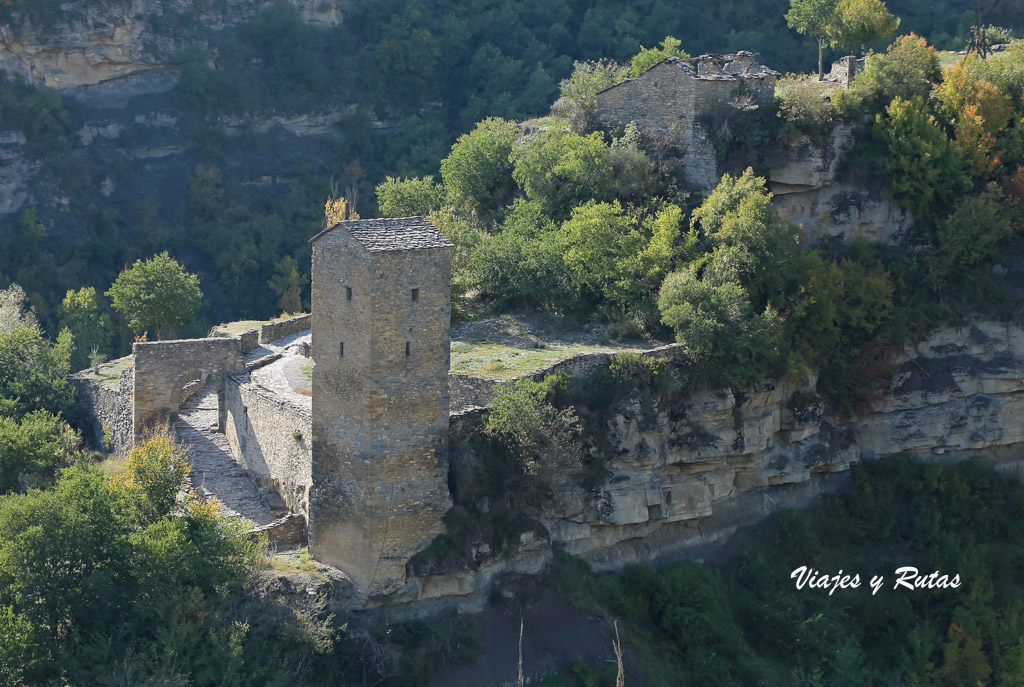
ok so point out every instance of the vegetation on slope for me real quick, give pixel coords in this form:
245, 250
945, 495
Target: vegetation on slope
742, 621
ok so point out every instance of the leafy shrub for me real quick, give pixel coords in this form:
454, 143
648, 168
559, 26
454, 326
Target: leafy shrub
35, 111
515, 269
804, 103
971, 236
33, 373
578, 101
409, 197
544, 437
40, 445
153, 477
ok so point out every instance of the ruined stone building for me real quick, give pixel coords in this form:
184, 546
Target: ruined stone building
671, 101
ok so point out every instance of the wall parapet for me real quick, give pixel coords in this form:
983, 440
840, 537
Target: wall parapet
272, 331
271, 438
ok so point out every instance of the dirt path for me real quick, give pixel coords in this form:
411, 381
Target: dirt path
214, 473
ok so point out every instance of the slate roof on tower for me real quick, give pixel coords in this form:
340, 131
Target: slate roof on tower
400, 233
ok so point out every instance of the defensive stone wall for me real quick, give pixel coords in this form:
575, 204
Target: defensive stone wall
108, 407
167, 372
271, 438
272, 331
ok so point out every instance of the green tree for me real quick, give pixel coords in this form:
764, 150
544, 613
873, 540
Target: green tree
156, 294
718, 329
413, 197
80, 313
648, 57
860, 23
561, 170
907, 69
154, 476
926, 172
544, 438
750, 243
813, 18
972, 235
33, 373
477, 174
288, 283
594, 242
578, 99
37, 445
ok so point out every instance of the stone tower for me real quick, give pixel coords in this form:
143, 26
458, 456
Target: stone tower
381, 315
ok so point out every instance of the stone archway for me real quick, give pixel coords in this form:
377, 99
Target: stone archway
188, 384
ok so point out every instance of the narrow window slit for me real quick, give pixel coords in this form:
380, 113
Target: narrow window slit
415, 295
348, 293
407, 349
341, 349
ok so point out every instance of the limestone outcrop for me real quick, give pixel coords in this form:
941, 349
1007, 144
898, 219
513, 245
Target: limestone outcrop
16, 171
93, 42
685, 472
809, 190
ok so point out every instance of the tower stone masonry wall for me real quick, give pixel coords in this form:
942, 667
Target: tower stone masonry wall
380, 406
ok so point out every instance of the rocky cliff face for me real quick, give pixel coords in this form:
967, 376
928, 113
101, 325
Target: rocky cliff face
810, 191
92, 44
686, 472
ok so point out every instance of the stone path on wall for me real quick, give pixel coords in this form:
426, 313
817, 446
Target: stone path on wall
214, 472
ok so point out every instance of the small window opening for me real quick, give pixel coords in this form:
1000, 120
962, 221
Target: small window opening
415, 295
341, 350
348, 293
407, 348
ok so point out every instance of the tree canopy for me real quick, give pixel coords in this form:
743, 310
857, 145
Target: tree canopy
156, 294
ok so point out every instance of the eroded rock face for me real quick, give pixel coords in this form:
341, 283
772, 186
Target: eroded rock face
92, 43
686, 472
845, 211
16, 171
957, 391
809, 191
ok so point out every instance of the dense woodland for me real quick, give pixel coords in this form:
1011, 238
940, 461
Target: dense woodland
125, 577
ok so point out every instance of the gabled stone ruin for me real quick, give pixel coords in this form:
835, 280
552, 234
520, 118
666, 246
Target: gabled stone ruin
669, 102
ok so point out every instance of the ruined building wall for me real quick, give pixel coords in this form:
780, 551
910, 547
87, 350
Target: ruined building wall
271, 438
660, 101
380, 415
